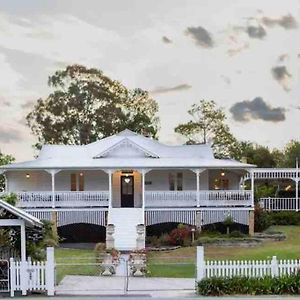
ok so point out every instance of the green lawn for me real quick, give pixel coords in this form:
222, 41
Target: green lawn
75, 262
181, 262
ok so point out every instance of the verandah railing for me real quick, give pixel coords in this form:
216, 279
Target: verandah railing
206, 198
278, 204
62, 199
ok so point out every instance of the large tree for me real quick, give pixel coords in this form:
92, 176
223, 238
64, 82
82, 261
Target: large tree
208, 124
258, 155
291, 153
86, 105
4, 160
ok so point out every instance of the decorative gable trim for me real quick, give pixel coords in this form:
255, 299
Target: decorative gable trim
127, 143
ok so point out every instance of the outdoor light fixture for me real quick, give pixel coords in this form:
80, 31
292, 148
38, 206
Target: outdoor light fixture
27, 176
222, 174
127, 180
81, 174
288, 187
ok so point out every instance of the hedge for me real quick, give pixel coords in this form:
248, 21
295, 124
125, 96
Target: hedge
284, 285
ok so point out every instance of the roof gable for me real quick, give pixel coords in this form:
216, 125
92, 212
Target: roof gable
20, 214
126, 148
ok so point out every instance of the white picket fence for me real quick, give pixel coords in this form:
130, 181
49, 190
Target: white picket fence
28, 276
244, 268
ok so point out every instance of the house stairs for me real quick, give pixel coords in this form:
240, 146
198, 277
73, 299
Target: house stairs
125, 221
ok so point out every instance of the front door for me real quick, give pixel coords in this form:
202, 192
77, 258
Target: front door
127, 191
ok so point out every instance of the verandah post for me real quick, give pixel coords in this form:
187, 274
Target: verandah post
50, 267
200, 263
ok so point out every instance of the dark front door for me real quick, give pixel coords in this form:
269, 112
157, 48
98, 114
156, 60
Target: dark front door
127, 191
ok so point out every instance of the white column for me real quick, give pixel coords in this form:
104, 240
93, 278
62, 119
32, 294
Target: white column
143, 189
23, 242
198, 187
297, 192
252, 188
53, 187
110, 188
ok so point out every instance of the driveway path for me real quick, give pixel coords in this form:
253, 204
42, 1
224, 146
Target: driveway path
94, 285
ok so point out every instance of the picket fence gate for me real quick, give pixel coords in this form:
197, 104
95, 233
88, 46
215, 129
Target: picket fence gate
244, 268
32, 276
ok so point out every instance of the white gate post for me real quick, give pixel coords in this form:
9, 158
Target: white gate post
12, 279
200, 263
24, 277
274, 267
50, 271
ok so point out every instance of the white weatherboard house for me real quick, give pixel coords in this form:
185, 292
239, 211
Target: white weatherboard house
128, 180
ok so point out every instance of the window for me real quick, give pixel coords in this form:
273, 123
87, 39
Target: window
77, 182
175, 181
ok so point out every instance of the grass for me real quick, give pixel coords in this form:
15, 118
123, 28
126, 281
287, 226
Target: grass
181, 262
75, 262
163, 264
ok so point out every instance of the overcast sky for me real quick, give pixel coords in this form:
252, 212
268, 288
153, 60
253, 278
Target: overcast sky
243, 54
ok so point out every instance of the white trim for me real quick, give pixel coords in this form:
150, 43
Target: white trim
126, 142
21, 214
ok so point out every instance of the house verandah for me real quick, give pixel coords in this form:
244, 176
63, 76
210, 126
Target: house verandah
128, 180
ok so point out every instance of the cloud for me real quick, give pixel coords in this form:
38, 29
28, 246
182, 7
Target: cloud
163, 90
8, 135
257, 109
286, 22
166, 40
256, 32
281, 74
201, 36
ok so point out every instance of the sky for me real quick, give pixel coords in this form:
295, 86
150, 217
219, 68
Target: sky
243, 54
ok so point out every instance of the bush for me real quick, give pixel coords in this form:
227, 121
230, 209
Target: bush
236, 234
261, 219
285, 285
180, 236
284, 218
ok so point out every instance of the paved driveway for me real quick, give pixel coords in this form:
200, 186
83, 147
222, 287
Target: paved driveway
94, 285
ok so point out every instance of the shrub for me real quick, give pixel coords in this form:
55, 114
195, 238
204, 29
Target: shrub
180, 236
10, 198
236, 234
284, 218
261, 219
285, 285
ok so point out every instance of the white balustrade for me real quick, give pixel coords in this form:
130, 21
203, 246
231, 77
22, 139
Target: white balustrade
62, 199
170, 198
189, 198
277, 204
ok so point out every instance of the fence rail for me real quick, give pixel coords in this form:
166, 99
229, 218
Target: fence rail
244, 268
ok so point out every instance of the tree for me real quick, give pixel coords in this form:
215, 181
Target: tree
4, 160
291, 153
258, 155
208, 125
86, 105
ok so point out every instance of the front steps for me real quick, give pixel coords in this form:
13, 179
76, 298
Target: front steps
125, 221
